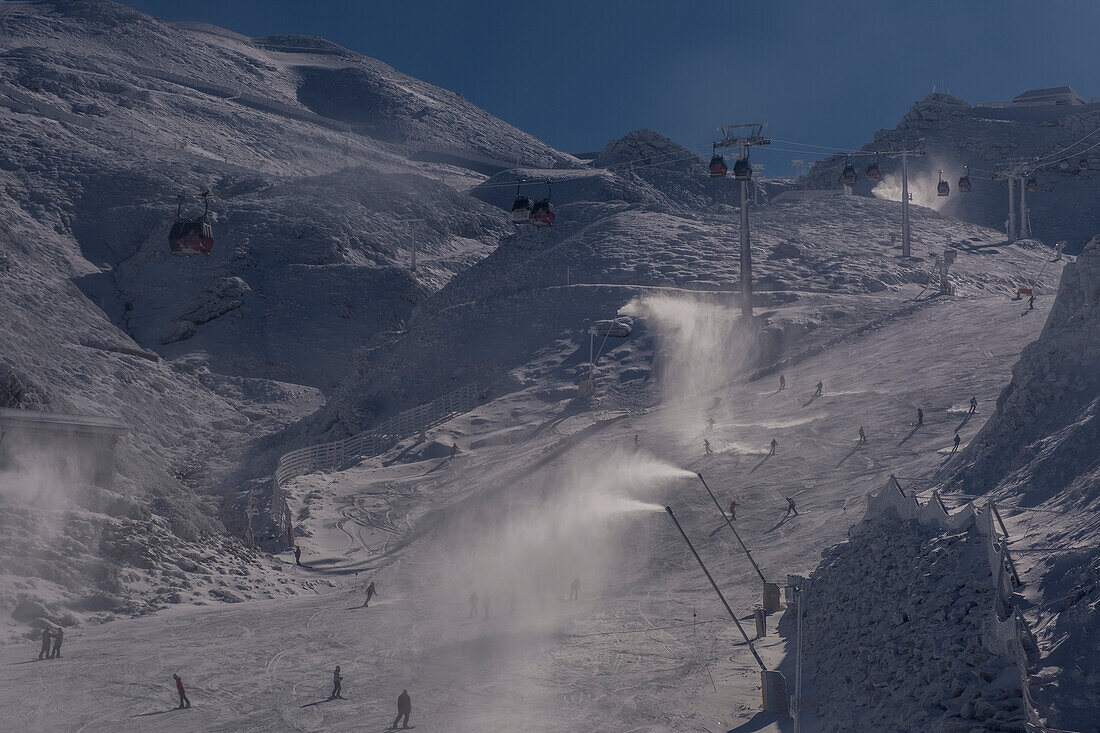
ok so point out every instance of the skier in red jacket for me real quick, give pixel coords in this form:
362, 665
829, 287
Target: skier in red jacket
184, 702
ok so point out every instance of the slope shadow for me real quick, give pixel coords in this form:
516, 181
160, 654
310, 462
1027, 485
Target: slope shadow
810, 401
26, 661
321, 702
156, 712
781, 523
910, 435
762, 462
762, 720
850, 453
966, 419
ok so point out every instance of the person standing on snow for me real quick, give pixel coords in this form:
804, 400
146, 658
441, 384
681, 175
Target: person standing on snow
44, 652
957, 441
862, 436
733, 510
920, 417
370, 594
454, 449
404, 708
774, 446
184, 702
57, 637
782, 383
575, 589
473, 604
819, 389
1031, 302
637, 442
791, 508
706, 446
973, 405
337, 679
297, 555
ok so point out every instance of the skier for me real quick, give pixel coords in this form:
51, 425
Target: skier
370, 594
774, 446
454, 449
297, 555
44, 652
862, 436
336, 680
575, 589
710, 423
973, 405
920, 417
57, 637
184, 702
637, 442
782, 383
791, 508
957, 441
733, 510
473, 604
706, 446
404, 707
819, 389
1031, 302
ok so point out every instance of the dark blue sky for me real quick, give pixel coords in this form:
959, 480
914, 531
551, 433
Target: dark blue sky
577, 74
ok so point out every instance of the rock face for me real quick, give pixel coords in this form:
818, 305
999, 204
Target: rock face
954, 134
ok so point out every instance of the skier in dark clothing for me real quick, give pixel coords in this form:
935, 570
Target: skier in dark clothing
297, 555
57, 638
957, 441
575, 589
370, 594
820, 388
44, 652
782, 383
920, 417
790, 507
473, 605
973, 405
454, 449
706, 446
862, 436
404, 707
336, 680
184, 702
1031, 302
774, 446
733, 510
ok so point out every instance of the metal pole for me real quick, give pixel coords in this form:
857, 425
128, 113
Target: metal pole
798, 660
746, 252
1024, 233
715, 586
905, 205
1011, 210
732, 529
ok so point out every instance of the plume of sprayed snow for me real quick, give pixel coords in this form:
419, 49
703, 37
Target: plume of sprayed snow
922, 185
703, 346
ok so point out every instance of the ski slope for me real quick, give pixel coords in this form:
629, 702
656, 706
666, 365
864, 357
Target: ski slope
542, 493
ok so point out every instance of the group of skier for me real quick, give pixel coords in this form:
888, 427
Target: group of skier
54, 637
404, 702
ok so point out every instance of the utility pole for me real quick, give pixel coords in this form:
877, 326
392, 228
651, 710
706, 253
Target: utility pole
408, 222
742, 137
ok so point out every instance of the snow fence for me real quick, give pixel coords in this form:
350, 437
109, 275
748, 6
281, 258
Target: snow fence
341, 454
1006, 634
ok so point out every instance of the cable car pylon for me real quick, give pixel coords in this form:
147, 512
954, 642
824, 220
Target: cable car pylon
743, 137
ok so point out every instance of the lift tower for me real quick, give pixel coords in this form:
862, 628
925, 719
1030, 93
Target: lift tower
743, 137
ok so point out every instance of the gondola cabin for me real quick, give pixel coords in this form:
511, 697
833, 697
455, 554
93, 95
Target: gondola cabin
942, 188
521, 210
191, 237
718, 167
848, 175
542, 215
873, 172
1032, 184
742, 171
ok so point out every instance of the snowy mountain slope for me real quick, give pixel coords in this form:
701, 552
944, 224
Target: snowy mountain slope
542, 287
954, 134
105, 116
541, 493
1037, 455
